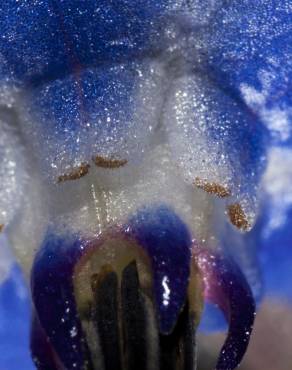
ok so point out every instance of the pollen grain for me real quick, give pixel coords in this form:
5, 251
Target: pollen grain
76, 173
237, 216
212, 188
108, 162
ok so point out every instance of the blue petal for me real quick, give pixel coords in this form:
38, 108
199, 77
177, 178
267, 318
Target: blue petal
249, 52
217, 140
49, 38
62, 54
107, 111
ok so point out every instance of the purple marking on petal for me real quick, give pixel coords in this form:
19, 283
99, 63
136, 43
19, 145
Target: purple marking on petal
166, 239
52, 291
226, 286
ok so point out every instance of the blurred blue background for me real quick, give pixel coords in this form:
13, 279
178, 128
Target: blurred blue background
14, 323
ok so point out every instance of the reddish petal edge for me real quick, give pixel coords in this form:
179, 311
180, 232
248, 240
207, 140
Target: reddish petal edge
226, 286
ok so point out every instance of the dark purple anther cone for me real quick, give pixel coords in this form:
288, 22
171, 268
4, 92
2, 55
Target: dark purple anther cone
52, 291
58, 341
157, 230
226, 286
166, 239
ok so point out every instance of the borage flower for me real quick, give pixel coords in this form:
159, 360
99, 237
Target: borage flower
129, 130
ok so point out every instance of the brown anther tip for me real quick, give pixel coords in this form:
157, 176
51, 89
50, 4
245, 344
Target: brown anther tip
94, 281
97, 278
76, 173
212, 188
1, 227
108, 162
237, 216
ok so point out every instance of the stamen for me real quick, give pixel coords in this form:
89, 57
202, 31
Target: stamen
120, 301
124, 312
134, 318
105, 315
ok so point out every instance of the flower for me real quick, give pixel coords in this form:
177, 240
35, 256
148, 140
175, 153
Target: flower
142, 123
